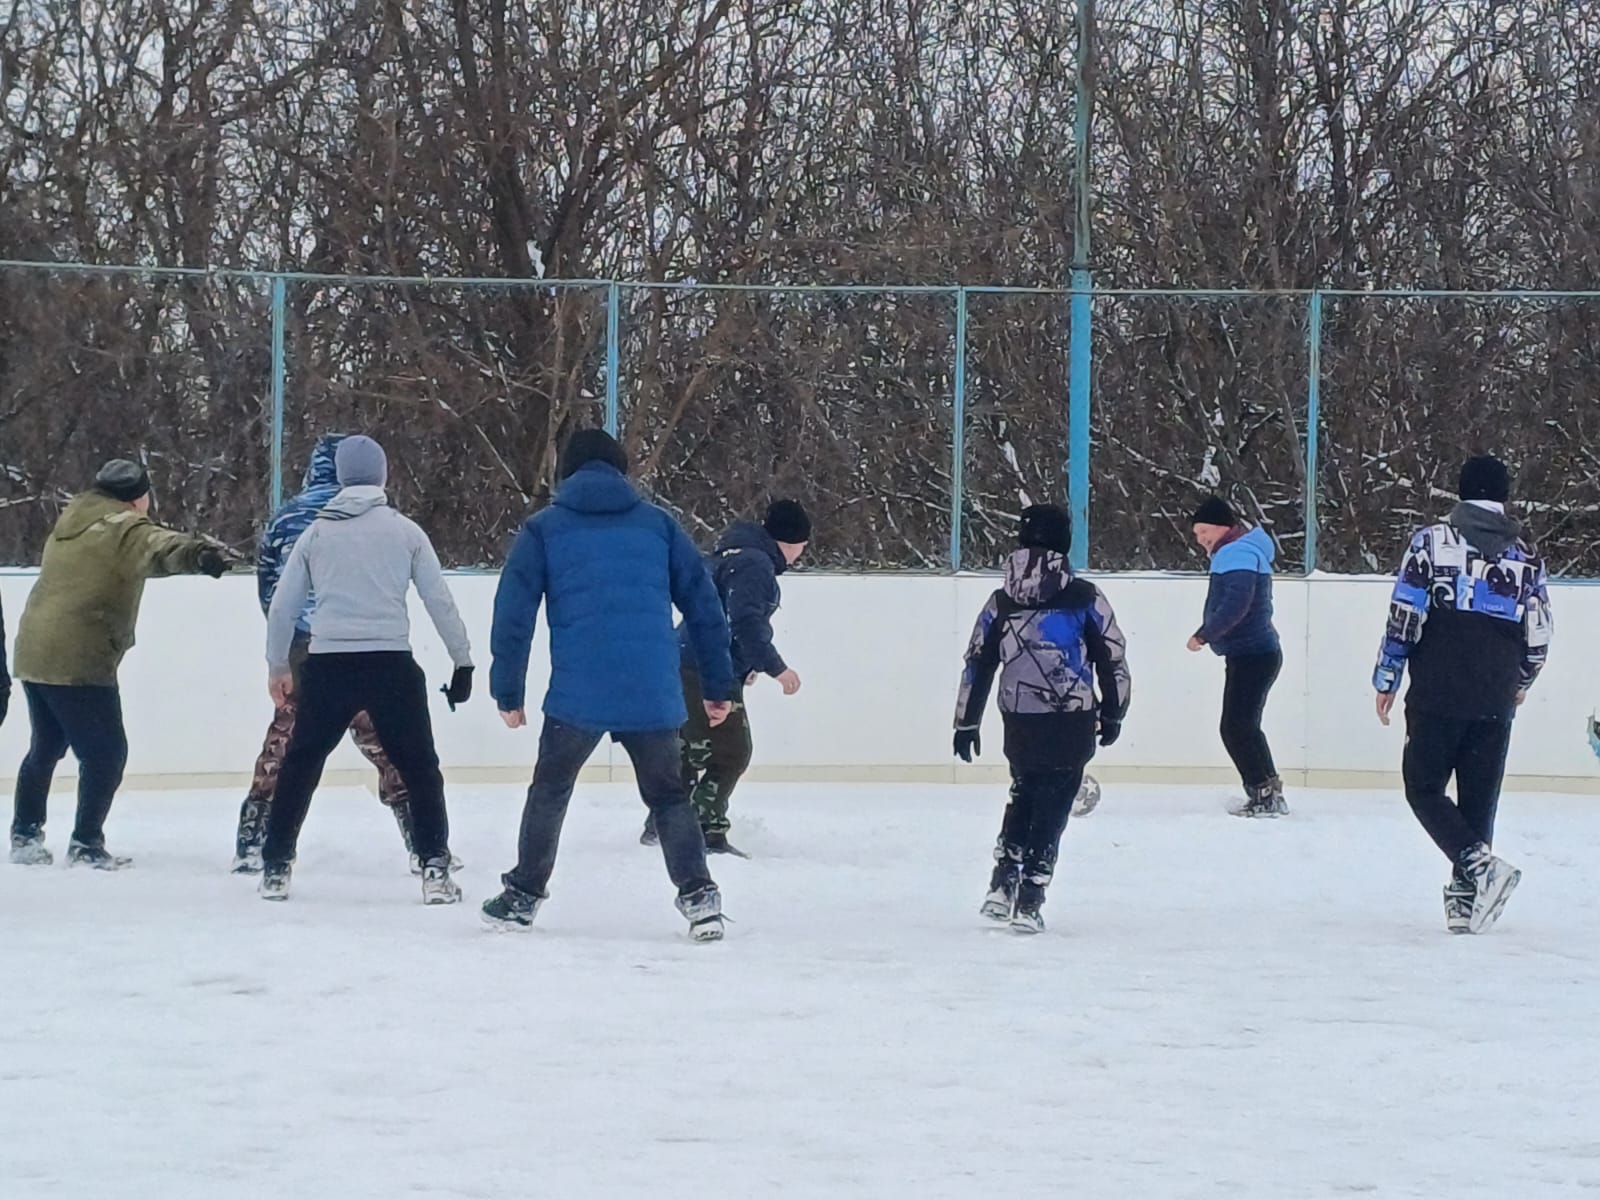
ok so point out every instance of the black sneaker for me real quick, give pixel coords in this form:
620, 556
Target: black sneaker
81, 854
1264, 800
649, 837
247, 841
717, 843
1458, 896
512, 909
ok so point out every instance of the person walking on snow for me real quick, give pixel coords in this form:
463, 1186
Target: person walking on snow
1238, 628
611, 567
1471, 616
360, 559
278, 540
1050, 637
744, 567
76, 627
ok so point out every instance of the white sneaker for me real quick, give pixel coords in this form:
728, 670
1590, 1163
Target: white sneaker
437, 886
703, 910
29, 850
274, 883
1493, 880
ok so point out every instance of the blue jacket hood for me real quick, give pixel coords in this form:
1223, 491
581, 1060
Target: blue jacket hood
322, 471
1252, 552
597, 488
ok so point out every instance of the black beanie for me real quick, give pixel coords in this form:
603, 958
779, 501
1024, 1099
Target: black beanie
1485, 478
592, 446
122, 480
787, 522
1215, 511
1045, 527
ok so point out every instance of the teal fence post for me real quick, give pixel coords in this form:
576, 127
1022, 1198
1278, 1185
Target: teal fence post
613, 319
279, 290
1078, 405
1313, 422
958, 439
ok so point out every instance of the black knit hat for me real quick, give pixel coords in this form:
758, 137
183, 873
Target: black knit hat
592, 446
1215, 511
122, 480
788, 522
1045, 527
1485, 478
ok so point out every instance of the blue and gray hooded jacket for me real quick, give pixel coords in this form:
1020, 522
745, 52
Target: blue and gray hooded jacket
293, 519
1238, 617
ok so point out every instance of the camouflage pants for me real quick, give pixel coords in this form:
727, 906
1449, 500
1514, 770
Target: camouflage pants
714, 759
257, 805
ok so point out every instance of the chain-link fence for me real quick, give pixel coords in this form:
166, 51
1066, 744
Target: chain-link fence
915, 422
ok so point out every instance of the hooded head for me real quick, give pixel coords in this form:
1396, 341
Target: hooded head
323, 469
1485, 478
592, 446
122, 479
1045, 527
361, 462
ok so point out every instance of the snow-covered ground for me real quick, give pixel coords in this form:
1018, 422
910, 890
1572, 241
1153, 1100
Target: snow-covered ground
1220, 1009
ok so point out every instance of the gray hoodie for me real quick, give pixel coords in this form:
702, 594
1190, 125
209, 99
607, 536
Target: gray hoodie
360, 558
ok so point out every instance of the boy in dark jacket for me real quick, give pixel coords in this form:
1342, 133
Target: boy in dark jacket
744, 567
1471, 615
611, 567
277, 541
1051, 637
1238, 628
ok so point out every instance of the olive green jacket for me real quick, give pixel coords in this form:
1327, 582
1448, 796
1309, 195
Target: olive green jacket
79, 619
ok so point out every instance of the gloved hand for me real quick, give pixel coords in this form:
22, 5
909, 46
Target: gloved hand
1110, 731
968, 745
459, 689
212, 561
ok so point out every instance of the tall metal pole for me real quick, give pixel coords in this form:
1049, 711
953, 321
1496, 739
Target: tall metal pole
1082, 304
279, 369
613, 323
1313, 421
958, 437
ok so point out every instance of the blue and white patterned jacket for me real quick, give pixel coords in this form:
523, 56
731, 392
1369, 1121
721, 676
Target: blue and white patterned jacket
1470, 615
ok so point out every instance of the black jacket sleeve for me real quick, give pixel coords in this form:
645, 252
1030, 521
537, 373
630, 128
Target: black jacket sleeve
749, 586
5, 661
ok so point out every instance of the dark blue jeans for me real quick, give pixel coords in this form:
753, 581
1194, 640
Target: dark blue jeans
563, 750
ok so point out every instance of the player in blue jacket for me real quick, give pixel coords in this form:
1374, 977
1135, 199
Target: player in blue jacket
1238, 628
611, 567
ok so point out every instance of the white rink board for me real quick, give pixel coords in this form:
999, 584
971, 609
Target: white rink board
880, 656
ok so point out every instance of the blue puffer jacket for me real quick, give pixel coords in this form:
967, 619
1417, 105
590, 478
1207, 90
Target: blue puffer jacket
294, 518
1238, 619
611, 568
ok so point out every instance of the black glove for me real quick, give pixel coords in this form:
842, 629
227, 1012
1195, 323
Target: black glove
1110, 731
212, 562
459, 689
968, 745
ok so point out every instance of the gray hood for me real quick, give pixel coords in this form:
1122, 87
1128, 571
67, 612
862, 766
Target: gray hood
1488, 532
354, 502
